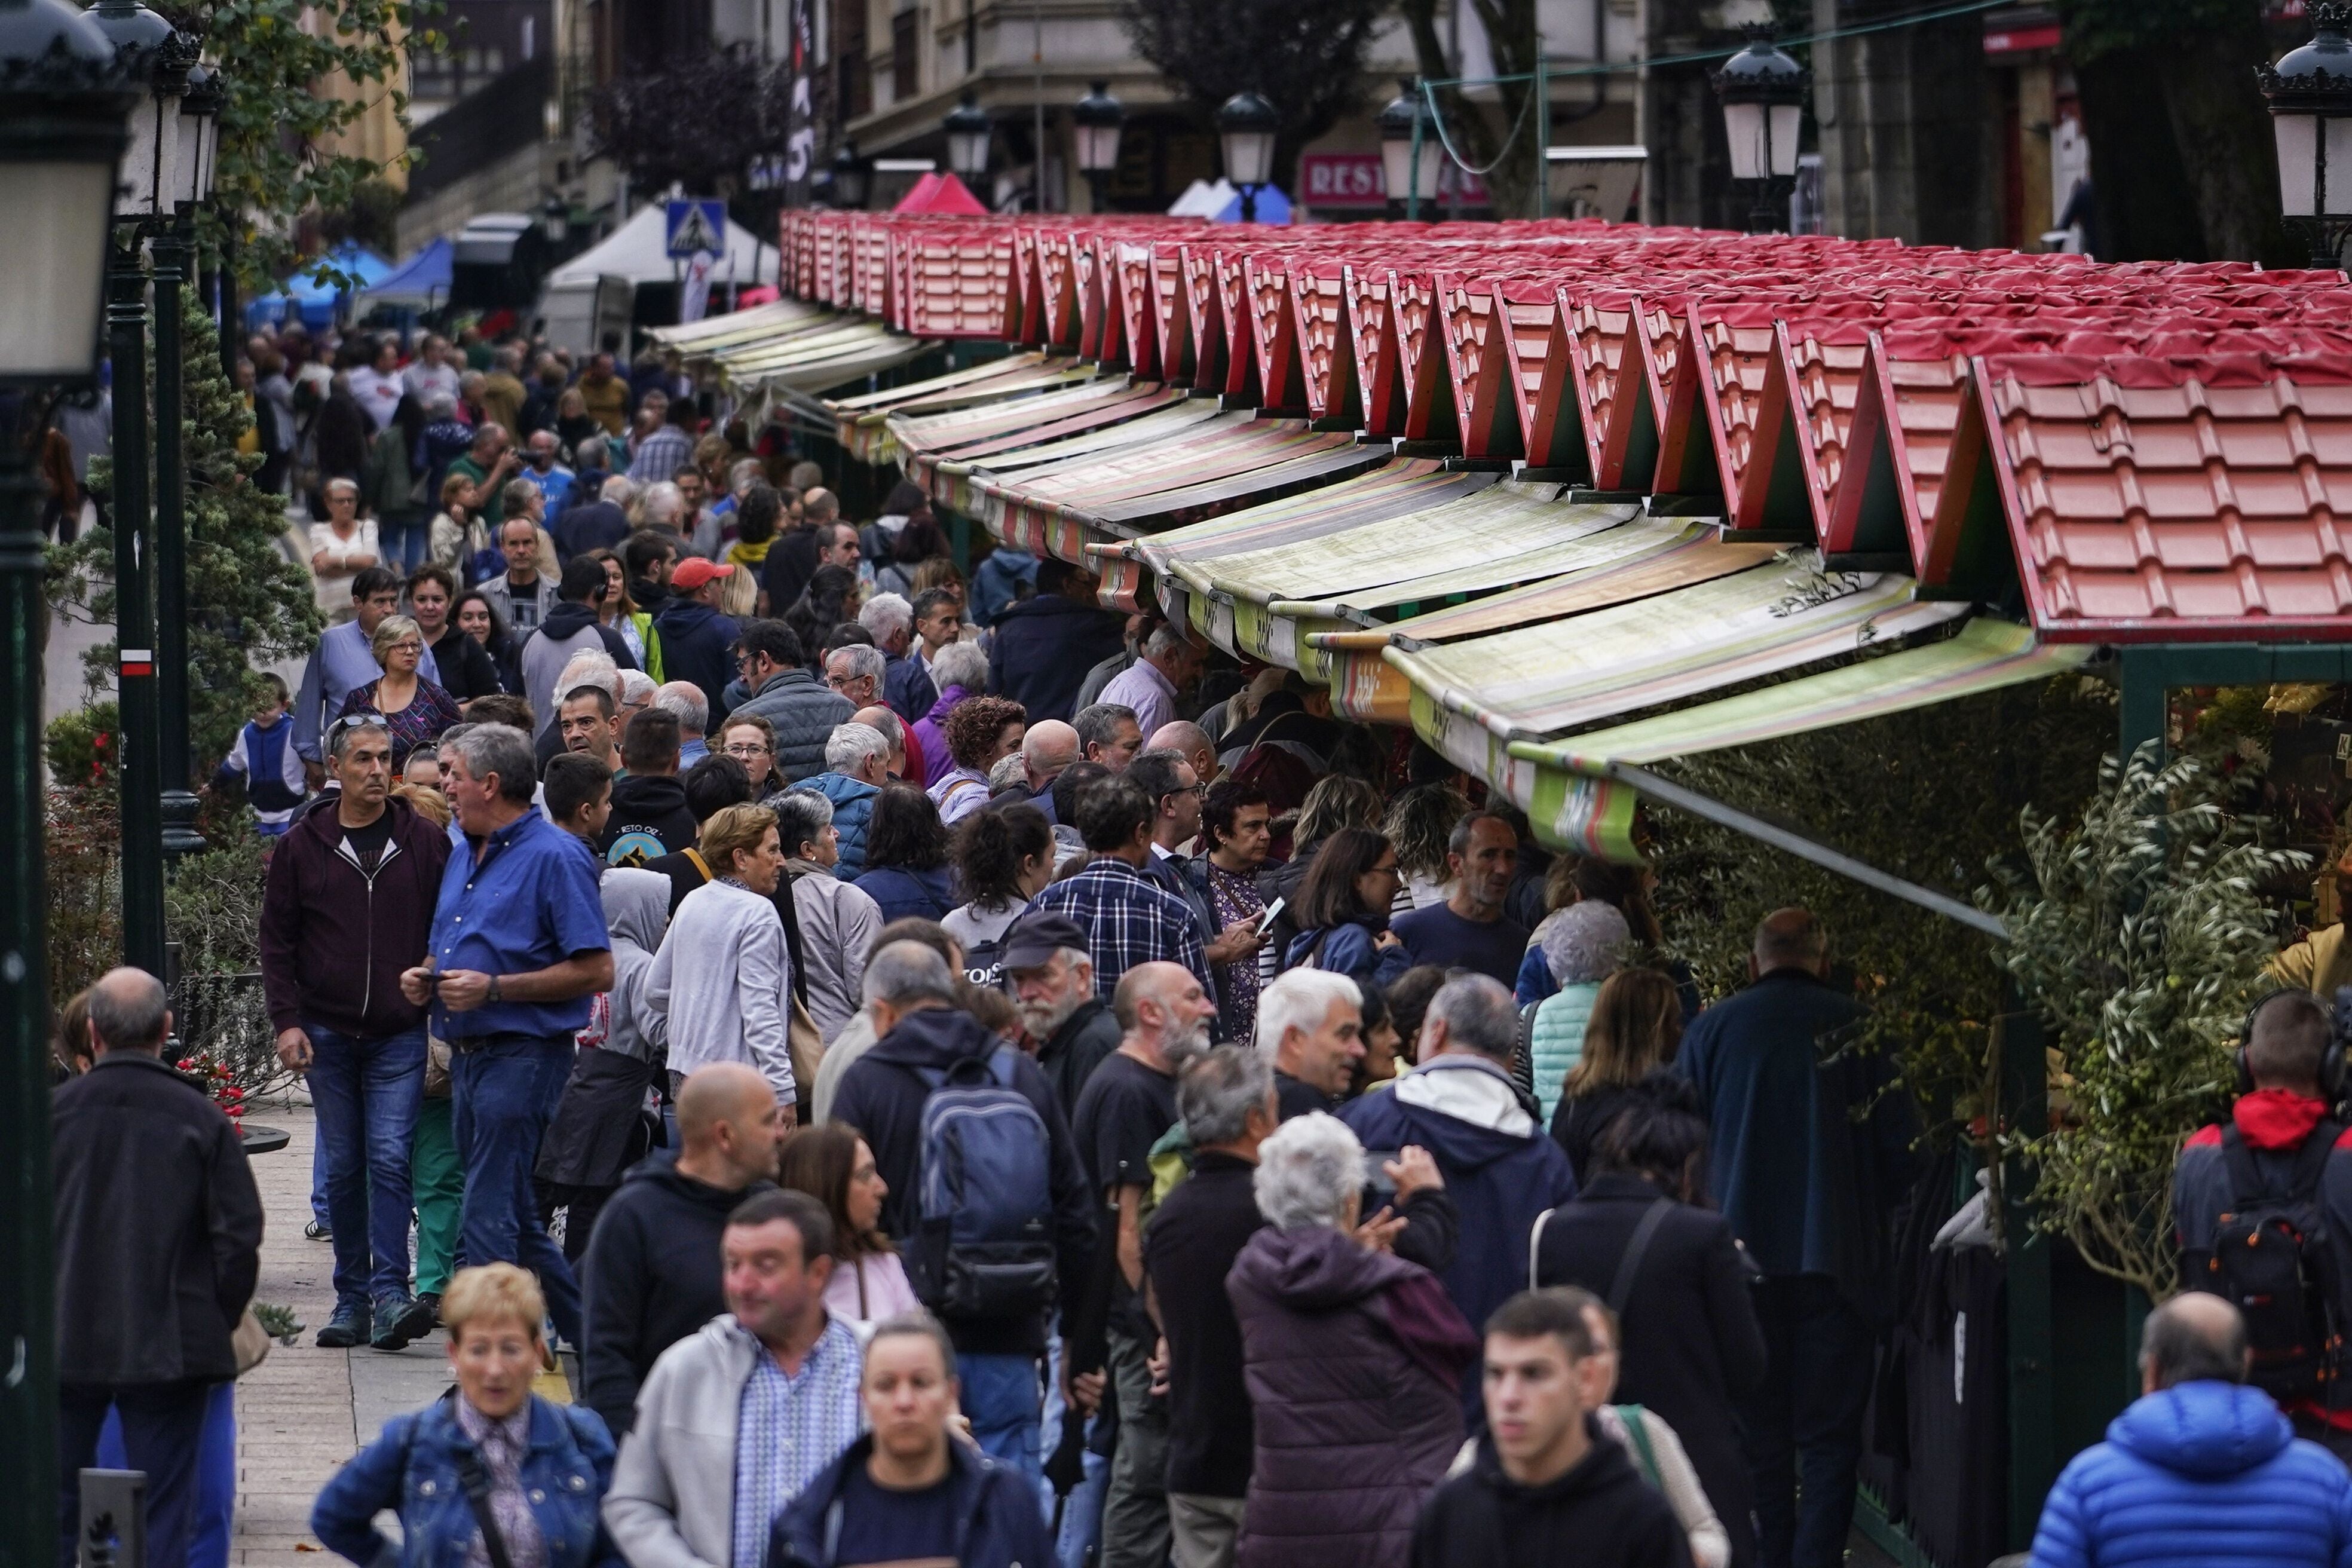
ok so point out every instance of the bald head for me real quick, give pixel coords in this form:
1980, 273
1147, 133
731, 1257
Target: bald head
1049, 746
1189, 741
728, 1121
128, 1012
2193, 1337
894, 730
820, 505
1791, 939
1161, 1008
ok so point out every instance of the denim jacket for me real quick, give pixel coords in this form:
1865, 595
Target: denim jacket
412, 1469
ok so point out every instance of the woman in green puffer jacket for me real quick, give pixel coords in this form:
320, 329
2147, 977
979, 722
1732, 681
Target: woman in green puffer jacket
1583, 945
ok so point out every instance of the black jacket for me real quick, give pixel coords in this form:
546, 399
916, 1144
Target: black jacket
1044, 645
649, 820
882, 1095
335, 938
651, 1277
1188, 1249
1070, 1056
158, 1227
997, 1522
1691, 1347
467, 670
1602, 1514
584, 526
785, 572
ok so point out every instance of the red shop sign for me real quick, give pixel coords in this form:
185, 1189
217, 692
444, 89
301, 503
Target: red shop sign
1344, 180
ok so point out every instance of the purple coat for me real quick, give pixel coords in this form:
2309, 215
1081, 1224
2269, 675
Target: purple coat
1353, 1360
931, 730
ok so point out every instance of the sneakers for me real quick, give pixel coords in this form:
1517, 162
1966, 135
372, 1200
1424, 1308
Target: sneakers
399, 1320
314, 1231
347, 1327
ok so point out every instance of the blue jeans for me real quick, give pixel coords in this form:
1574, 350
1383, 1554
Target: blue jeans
1002, 1400
502, 1094
366, 1093
318, 1184
1802, 1429
404, 542
216, 1501
163, 1430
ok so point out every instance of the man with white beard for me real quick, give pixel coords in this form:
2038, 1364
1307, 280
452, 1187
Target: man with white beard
1051, 977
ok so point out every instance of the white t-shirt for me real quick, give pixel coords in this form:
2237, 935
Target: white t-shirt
377, 392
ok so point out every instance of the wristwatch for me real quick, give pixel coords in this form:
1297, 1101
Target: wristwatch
495, 994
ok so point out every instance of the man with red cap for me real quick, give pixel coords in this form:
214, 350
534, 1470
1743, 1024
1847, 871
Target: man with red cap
697, 642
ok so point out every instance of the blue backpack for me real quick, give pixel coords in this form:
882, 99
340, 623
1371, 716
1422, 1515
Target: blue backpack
983, 1241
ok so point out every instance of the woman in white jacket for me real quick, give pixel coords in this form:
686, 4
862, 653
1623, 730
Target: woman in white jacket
721, 974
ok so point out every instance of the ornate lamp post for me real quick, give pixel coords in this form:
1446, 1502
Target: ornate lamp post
1246, 125
2310, 94
1097, 118
969, 131
1411, 154
63, 105
1762, 92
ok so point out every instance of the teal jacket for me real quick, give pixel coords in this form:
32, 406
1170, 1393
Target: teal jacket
1558, 1041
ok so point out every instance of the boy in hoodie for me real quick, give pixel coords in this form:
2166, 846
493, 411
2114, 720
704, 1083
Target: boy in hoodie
920, 1031
1463, 1106
649, 818
2201, 1469
2283, 1143
571, 627
263, 756
653, 1269
1545, 1485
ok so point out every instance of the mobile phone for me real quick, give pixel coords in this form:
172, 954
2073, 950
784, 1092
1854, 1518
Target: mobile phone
1376, 1173
1266, 921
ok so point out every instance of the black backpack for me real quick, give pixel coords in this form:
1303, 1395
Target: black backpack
2270, 1256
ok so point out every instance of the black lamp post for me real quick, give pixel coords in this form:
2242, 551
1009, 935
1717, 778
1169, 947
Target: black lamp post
1762, 92
555, 222
1246, 125
969, 131
1410, 153
2310, 94
63, 106
850, 174
158, 56
174, 250
1096, 118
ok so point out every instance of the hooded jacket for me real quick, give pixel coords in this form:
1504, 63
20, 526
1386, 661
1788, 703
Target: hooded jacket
1500, 1167
853, 814
598, 1129
1602, 1513
334, 938
2274, 1124
1044, 645
651, 1277
882, 1096
649, 819
2196, 1474
805, 713
998, 1524
931, 730
698, 645
569, 627
1352, 1358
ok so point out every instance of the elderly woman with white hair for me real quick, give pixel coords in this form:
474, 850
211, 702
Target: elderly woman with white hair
1582, 945
1353, 1358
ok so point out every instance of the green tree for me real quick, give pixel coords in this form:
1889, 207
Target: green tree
2140, 933
249, 604
278, 57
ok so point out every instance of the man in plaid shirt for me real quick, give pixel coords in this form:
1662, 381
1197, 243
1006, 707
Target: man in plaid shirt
1128, 918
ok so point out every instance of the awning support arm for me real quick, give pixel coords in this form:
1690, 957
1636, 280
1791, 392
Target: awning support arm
1667, 793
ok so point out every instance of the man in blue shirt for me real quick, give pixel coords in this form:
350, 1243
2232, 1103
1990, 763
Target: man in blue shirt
519, 947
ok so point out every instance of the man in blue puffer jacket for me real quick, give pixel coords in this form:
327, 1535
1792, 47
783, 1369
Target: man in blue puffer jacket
857, 764
2202, 1469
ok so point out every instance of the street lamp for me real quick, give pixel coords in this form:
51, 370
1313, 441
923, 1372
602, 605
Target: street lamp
1762, 92
1410, 153
1098, 117
850, 174
555, 220
196, 161
63, 107
969, 130
2310, 94
1246, 125
158, 56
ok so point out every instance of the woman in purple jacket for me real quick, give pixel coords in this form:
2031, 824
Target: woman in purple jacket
1353, 1358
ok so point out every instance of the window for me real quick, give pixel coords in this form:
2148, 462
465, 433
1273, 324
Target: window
906, 72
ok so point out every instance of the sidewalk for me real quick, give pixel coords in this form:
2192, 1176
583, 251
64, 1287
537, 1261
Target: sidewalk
304, 1411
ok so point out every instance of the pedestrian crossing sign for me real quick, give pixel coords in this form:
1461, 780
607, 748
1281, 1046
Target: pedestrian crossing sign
696, 227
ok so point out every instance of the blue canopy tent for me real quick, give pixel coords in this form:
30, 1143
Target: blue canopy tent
1272, 206
316, 302
419, 282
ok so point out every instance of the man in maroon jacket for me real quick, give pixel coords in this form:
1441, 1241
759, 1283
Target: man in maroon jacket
348, 906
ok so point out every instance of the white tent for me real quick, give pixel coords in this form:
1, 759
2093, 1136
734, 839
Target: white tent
1202, 199
635, 252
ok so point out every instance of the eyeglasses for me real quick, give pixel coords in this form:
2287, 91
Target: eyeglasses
406, 647
749, 751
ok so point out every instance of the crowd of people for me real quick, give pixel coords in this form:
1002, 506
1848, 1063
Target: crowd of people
973, 1080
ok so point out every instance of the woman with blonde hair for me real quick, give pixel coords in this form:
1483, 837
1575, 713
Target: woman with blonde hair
1634, 1028
414, 709
539, 1469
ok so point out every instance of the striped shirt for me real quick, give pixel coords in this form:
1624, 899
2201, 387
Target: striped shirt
1129, 918
788, 1427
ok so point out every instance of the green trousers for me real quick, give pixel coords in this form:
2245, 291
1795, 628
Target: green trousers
438, 1180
